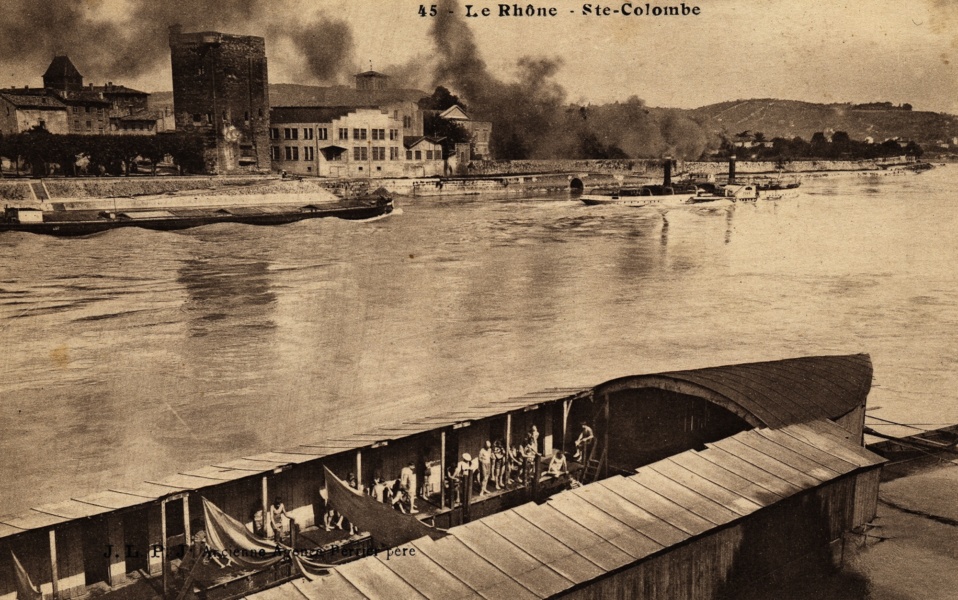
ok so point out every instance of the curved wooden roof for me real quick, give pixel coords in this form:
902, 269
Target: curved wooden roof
773, 393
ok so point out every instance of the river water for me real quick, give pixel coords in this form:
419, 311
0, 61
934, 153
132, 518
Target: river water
132, 355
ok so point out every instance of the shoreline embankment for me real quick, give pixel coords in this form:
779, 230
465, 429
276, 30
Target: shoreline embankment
483, 177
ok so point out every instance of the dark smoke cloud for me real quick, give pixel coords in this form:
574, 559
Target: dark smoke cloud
326, 43
529, 115
116, 46
524, 112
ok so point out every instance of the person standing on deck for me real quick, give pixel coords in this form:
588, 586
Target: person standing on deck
485, 467
582, 443
498, 464
463, 472
408, 478
534, 436
529, 456
276, 513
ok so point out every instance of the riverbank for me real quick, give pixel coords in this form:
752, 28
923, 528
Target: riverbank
485, 177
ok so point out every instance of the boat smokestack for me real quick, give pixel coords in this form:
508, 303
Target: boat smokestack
731, 169
667, 176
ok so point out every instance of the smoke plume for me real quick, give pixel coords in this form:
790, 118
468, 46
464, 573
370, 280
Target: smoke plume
124, 40
530, 117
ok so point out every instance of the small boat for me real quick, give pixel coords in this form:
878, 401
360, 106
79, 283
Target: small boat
728, 193
85, 222
638, 196
666, 194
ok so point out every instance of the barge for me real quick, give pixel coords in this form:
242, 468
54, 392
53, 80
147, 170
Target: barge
86, 222
695, 482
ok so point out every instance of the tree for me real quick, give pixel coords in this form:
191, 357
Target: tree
913, 149
440, 100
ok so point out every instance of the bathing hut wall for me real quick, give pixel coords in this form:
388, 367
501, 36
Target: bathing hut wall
33, 549
808, 532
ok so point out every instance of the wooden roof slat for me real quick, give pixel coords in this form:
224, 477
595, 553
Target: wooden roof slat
660, 506
429, 579
333, 585
829, 444
188, 482
694, 463
111, 500
574, 535
480, 575
714, 492
282, 457
374, 580
217, 473
34, 520
826, 430
564, 560
71, 509
634, 543
632, 515
750, 472
692, 501
788, 456
508, 558
819, 455
767, 463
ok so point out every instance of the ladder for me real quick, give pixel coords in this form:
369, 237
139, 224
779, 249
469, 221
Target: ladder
593, 466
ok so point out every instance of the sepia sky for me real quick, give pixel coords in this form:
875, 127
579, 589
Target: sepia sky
853, 51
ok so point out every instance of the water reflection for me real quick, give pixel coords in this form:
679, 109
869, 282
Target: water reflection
226, 288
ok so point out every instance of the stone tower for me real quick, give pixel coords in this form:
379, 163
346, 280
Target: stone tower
62, 75
220, 90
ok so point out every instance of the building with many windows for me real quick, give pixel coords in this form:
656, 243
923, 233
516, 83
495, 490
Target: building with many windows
346, 141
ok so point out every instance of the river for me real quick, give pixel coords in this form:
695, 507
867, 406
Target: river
133, 354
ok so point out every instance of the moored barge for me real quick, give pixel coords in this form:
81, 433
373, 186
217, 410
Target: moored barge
739, 470
86, 222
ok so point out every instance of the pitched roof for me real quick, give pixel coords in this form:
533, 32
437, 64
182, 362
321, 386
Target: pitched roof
455, 113
61, 66
32, 101
118, 89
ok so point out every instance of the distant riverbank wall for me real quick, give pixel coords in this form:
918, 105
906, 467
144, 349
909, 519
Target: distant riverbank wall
653, 167
482, 177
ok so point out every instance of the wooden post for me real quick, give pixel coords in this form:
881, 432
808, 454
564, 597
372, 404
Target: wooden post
265, 502
164, 550
292, 534
566, 409
442, 469
359, 469
508, 431
53, 565
466, 494
187, 538
536, 473
547, 433
605, 437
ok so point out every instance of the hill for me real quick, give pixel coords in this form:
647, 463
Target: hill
791, 118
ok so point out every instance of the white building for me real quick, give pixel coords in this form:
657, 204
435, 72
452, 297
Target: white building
347, 141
